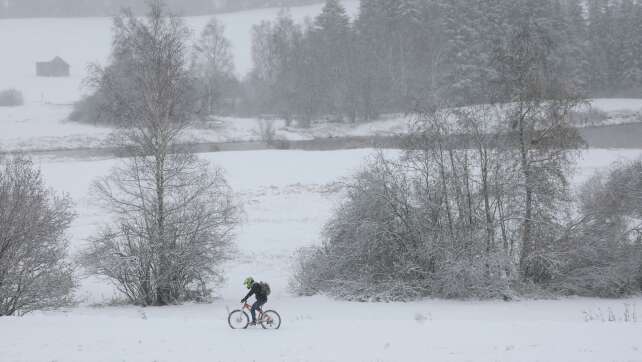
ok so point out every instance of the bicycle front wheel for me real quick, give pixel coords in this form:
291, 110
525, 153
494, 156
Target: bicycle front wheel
271, 320
238, 319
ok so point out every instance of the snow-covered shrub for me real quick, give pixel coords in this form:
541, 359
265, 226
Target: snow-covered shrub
367, 253
34, 273
462, 213
88, 110
388, 242
469, 276
603, 253
11, 98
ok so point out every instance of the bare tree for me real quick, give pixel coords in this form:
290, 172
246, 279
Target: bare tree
173, 217
34, 273
537, 118
212, 64
172, 229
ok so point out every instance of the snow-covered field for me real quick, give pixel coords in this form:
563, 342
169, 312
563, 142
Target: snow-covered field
287, 196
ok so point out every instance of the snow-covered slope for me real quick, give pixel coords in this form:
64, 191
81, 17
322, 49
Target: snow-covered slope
288, 195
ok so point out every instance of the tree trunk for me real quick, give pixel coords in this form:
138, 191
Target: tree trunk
527, 248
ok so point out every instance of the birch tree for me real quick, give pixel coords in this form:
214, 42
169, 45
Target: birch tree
213, 66
173, 216
540, 133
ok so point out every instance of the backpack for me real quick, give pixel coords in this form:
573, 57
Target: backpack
265, 288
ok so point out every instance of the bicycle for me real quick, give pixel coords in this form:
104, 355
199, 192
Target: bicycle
239, 318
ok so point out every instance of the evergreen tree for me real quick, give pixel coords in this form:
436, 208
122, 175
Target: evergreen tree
598, 48
575, 49
630, 25
330, 39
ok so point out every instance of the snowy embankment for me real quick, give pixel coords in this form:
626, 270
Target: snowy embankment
38, 127
287, 196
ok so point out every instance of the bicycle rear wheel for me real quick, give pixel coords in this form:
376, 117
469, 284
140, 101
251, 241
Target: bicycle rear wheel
238, 319
271, 320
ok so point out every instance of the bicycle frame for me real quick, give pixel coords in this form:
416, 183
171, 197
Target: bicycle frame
239, 319
260, 310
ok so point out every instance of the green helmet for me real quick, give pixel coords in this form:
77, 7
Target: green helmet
249, 281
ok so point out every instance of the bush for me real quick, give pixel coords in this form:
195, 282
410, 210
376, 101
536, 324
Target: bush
87, 110
603, 255
11, 98
33, 248
381, 245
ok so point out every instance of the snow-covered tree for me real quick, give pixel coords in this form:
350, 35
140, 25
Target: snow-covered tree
213, 66
272, 85
173, 217
330, 40
34, 270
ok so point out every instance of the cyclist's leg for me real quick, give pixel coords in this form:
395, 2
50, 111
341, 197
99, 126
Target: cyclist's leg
255, 306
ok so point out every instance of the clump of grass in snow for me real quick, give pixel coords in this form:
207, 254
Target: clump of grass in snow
628, 315
422, 318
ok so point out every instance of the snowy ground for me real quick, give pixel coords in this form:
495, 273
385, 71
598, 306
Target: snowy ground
288, 195
316, 329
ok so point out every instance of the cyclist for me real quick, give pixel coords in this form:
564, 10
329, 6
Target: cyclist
261, 296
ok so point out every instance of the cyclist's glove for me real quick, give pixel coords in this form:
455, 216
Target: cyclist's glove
243, 300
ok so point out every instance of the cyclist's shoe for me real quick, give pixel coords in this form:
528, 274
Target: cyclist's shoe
252, 324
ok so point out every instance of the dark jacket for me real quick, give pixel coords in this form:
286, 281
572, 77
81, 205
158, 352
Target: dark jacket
258, 291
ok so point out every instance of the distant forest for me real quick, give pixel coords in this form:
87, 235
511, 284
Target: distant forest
401, 55
82, 8
411, 55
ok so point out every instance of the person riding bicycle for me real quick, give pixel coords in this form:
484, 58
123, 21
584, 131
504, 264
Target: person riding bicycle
261, 296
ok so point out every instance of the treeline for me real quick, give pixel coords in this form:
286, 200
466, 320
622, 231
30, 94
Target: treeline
409, 55
401, 55
81, 8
